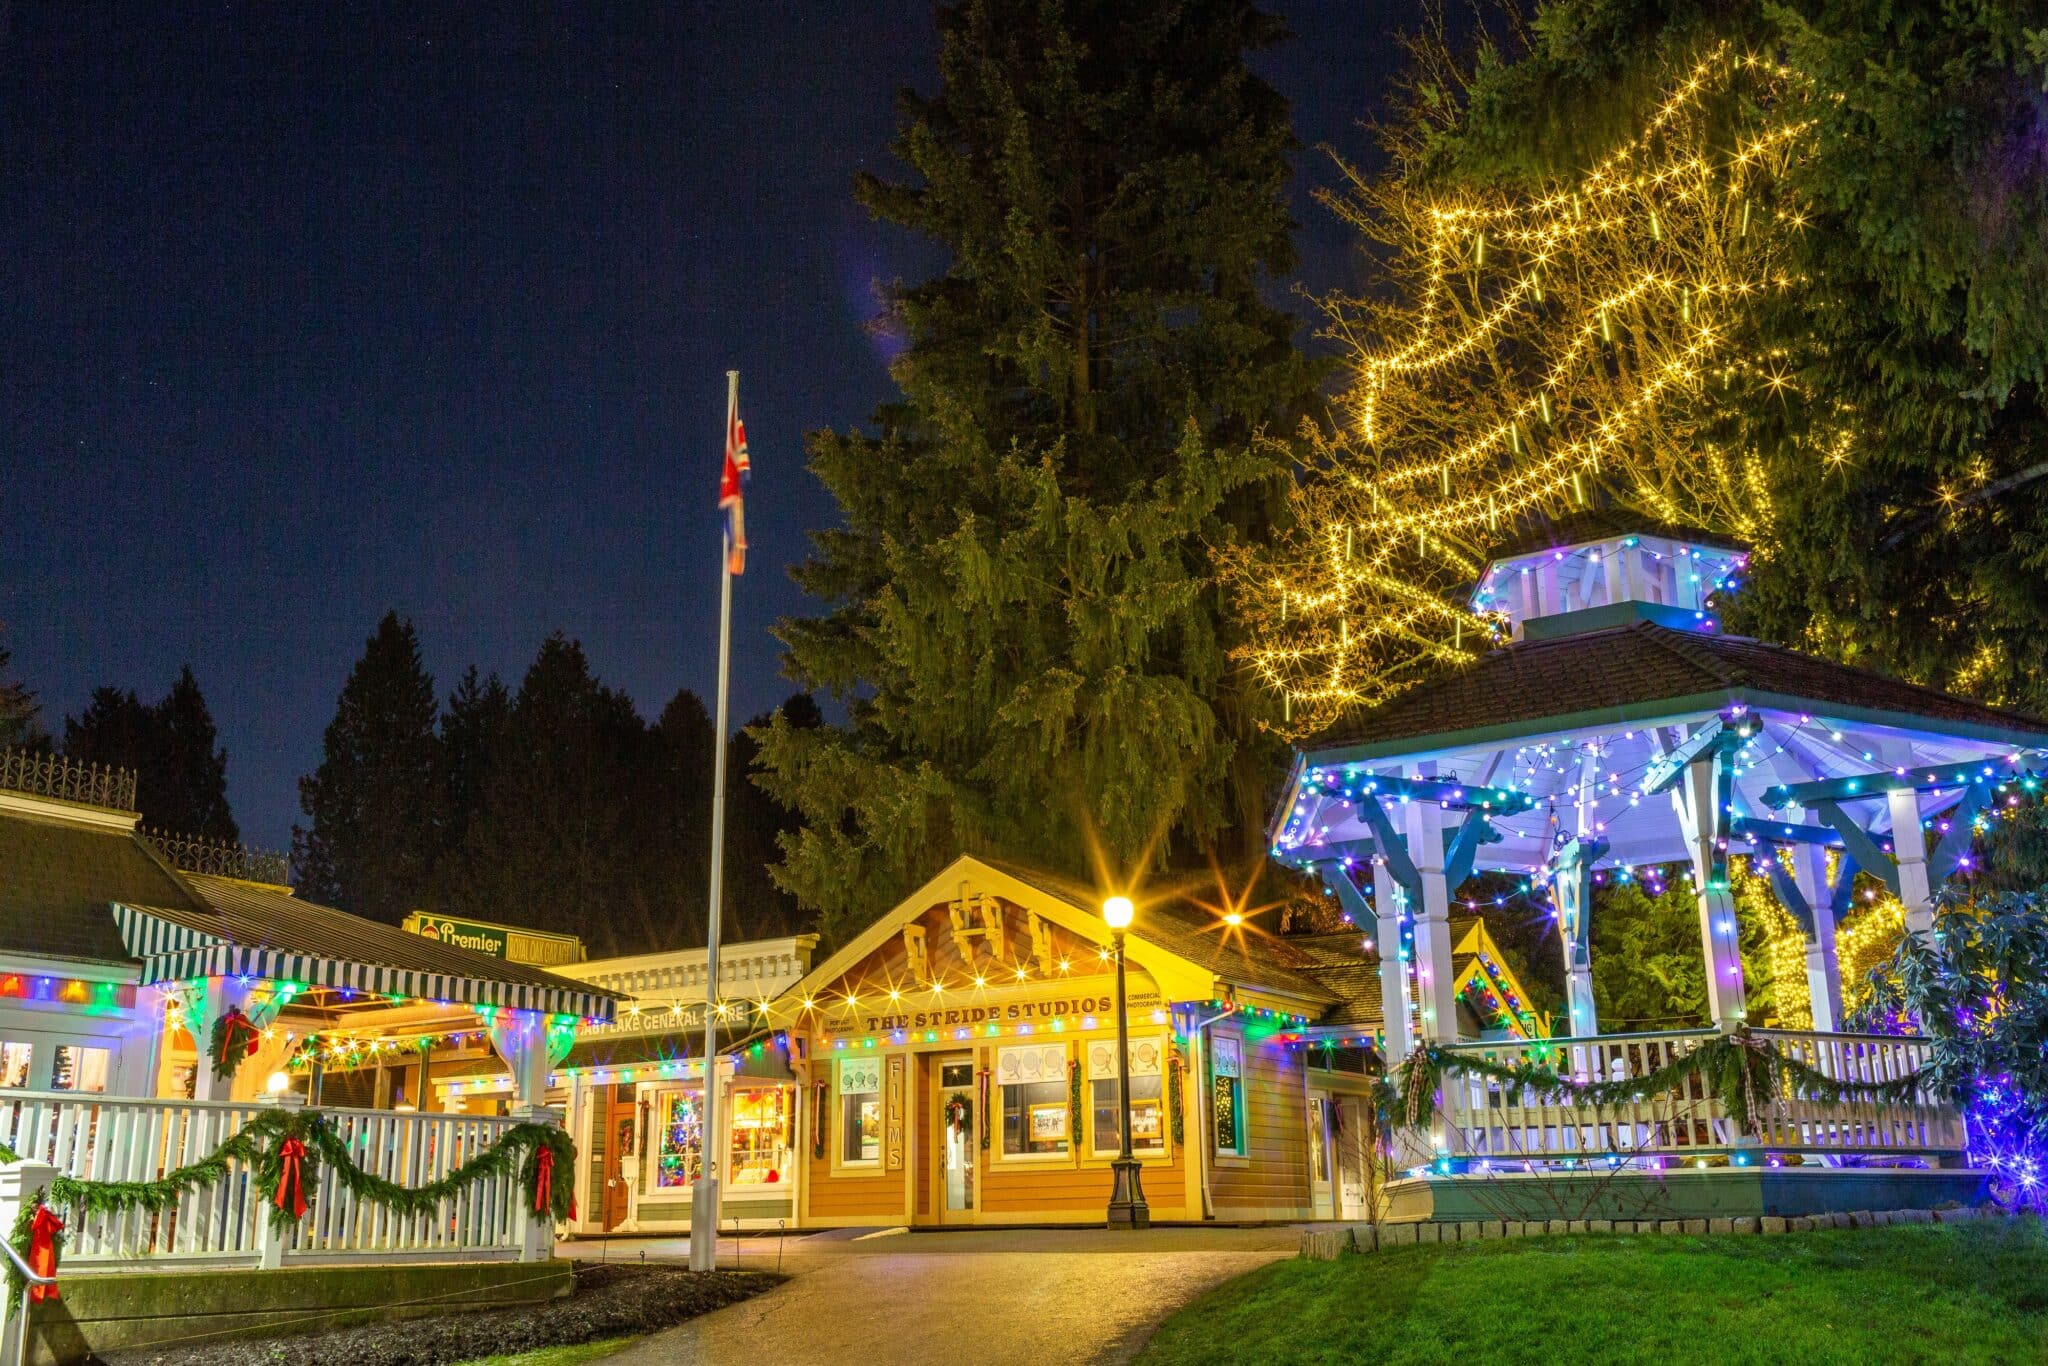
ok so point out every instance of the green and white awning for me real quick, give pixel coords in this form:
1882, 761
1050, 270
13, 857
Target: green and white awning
316, 946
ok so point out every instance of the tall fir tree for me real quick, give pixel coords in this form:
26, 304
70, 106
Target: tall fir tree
756, 823
1020, 615
555, 841
473, 725
172, 747
1904, 426
374, 804
17, 707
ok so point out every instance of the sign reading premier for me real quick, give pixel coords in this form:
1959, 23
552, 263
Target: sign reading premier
499, 941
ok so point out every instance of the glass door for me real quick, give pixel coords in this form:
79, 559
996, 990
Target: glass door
1322, 1192
958, 1147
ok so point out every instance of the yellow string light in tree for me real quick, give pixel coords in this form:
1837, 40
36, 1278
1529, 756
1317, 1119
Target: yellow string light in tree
1540, 350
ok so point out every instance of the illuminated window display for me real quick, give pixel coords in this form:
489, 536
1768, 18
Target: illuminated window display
860, 1110
1148, 1114
1036, 1102
680, 1159
763, 1132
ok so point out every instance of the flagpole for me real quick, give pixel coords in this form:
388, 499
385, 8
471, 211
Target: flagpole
704, 1199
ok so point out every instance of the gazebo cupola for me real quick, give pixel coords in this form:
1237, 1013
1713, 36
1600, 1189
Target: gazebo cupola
1597, 570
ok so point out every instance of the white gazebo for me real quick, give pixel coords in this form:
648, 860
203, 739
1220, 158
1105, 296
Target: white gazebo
1618, 727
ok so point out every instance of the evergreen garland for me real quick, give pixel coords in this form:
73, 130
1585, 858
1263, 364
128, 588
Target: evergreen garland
1740, 1069
259, 1146
1074, 1101
18, 1238
232, 1040
1175, 1062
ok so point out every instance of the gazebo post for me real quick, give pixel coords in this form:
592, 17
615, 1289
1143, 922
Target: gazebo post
1909, 847
1434, 986
1385, 915
1699, 799
1823, 971
1388, 899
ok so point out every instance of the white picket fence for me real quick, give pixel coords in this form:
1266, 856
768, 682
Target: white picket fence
1484, 1118
106, 1138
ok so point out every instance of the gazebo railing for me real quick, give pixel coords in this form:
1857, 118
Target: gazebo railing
1482, 1118
109, 1138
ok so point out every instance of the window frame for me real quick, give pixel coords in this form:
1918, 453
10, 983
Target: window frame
1240, 1143
1164, 1151
859, 1165
999, 1105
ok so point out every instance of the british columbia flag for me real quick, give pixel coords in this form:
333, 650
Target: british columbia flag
732, 486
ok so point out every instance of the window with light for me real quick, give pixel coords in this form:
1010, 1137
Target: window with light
763, 1133
1148, 1096
1226, 1096
860, 1111
679, 1161
1035, 1100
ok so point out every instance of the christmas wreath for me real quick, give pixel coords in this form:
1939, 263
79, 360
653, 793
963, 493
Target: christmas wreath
959, 1110
235, 1038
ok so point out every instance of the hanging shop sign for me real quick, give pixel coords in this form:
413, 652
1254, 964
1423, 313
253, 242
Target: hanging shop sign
508, 942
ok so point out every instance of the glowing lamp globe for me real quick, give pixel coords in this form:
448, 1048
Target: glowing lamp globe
277, 1084
1117, 912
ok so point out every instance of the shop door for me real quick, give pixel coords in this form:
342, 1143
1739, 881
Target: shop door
1350, 1152
619, 1158
958, 1147
1322, 1191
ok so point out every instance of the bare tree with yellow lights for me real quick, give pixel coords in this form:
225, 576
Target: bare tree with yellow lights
1531, 354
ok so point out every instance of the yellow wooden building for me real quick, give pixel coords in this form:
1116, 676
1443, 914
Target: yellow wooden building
957, 1061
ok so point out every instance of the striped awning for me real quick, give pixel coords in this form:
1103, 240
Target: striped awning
177, 946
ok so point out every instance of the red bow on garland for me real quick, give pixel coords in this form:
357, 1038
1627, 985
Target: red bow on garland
42, 1251
291, 1181
544, 1181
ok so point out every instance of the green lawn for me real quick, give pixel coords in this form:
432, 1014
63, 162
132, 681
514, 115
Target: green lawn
1950, 1293
573, 1355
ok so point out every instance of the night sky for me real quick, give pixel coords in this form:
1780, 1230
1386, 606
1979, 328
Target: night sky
314, 310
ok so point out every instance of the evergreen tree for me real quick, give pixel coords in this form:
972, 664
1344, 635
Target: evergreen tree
756, 823
1904, 424
374, 803
172, 747
17, 707
1020, 614
472, 733
681, 853
564, 811
196, 770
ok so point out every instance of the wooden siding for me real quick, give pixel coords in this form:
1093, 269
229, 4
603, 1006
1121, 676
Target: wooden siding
1272, 1180
854, 1198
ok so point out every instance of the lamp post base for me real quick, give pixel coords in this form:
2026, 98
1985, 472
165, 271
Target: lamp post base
1127, 1207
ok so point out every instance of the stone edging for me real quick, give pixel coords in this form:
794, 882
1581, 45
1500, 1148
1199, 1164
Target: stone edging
1327, 1244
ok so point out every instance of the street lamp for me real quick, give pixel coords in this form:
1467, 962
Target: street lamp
1127, 1207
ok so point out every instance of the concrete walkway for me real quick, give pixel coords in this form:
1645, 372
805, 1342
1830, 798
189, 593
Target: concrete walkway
982, 1296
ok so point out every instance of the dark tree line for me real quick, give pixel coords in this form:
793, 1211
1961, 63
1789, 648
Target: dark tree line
554, 806
172, 747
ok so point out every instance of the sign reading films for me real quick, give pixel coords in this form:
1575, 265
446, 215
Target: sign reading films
1071, 1008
